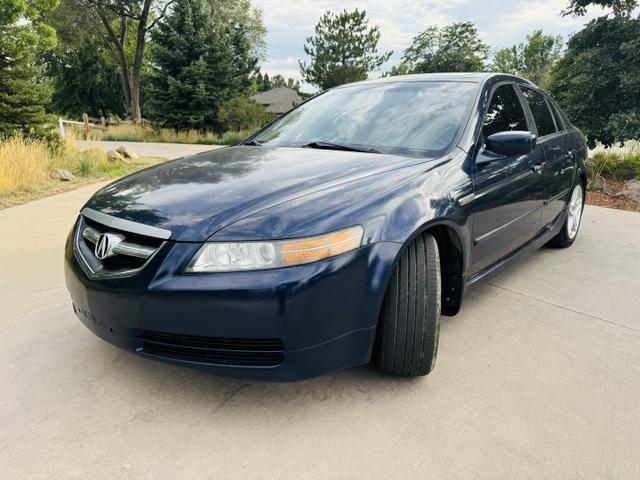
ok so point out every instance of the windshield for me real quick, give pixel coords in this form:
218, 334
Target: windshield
405, 118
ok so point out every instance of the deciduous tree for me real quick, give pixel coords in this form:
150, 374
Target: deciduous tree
125, 24
532, 59
83, 68
597, 81
278, 81
620, 7
452, 48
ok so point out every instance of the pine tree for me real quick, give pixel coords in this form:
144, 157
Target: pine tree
23, 95
266, 83
344, 49
200, 59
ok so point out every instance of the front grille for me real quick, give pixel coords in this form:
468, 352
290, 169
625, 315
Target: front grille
126, 255
250, 352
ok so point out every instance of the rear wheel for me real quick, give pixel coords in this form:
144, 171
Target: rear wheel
569, 231
410, 318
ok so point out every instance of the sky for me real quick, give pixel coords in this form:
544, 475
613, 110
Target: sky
500, 23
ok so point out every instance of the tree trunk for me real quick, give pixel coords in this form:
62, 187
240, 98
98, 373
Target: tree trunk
126, 91
131, 78
136, 114
118, 43
124, 66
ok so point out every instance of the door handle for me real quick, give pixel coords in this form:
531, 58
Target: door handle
537, 168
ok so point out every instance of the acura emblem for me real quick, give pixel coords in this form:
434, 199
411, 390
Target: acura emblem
105, 245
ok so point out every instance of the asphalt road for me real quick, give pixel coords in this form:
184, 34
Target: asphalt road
537, 377
148, 149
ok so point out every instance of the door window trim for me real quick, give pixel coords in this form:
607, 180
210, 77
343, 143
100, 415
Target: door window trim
533, 119
555, 110
485, 110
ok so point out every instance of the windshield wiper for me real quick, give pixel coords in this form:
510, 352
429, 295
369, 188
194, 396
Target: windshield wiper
253, 143
339, 146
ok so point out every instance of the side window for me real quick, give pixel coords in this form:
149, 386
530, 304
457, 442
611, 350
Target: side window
505, 112
540, 110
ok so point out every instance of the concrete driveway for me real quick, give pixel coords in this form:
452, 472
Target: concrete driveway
149, 149
537, 377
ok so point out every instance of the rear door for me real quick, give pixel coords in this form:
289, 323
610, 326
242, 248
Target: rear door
559, 149
508, 193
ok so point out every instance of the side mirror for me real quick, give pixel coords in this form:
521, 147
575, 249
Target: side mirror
510, 143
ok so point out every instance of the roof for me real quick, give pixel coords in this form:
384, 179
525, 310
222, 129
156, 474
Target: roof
278, 100
475, 77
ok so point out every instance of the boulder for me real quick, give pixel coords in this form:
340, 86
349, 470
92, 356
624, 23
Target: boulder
631, 191
114, 156
127, 152
61, 174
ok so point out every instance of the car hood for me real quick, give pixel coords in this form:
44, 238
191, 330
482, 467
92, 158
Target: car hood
197, 195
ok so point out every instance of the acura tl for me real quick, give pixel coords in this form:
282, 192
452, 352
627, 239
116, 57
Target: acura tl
336, 235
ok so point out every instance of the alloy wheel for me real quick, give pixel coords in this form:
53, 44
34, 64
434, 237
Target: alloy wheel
575, 212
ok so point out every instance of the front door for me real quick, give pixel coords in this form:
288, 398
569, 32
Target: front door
508, 192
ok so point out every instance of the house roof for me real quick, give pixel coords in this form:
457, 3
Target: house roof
278, 100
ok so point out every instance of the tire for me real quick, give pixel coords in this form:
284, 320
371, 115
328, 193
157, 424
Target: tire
410, 316
569, 232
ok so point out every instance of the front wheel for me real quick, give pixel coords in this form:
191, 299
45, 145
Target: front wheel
569, 231
410, 317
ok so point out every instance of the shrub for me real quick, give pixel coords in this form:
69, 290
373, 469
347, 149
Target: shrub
230, 138
622, 166
240, 113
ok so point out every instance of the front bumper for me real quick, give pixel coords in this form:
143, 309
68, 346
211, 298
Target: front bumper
325, 313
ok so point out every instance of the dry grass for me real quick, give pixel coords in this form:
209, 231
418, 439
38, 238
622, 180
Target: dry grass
43, 190
25, 165
136, 133
22, 163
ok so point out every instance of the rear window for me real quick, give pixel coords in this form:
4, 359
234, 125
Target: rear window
540, 110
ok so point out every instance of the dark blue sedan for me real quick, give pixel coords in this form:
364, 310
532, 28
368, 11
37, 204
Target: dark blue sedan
336, 235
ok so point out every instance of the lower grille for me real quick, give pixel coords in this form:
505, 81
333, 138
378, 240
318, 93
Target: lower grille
254, 352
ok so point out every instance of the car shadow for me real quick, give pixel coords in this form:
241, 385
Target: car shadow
195, 389
192, 389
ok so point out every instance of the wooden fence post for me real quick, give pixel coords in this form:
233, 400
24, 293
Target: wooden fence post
85, 120
61, 127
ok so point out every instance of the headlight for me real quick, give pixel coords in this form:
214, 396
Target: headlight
230, 257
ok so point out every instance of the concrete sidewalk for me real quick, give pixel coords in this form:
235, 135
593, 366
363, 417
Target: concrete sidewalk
537, 377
